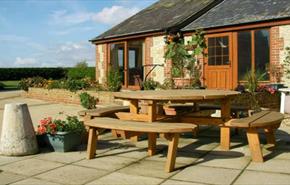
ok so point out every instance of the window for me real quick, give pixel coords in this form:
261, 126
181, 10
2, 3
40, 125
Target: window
130, 65
253, 53
218, 51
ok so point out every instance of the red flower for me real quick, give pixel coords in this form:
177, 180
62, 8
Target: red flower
41, 130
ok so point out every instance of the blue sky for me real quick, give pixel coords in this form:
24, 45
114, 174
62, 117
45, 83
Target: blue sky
48, 33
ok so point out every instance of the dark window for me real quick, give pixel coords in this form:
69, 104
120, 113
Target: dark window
244, 53
262, 53
117, 57
135, 62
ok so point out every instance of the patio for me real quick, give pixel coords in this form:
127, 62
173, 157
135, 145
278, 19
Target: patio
199, 160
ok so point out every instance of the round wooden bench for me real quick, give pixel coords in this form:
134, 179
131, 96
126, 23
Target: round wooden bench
267, 120
170, 130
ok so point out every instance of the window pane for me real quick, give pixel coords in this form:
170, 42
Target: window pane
135, 60
244, 53
117, 58
262, 53
218, 51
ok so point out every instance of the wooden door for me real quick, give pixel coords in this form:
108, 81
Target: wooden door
218, 70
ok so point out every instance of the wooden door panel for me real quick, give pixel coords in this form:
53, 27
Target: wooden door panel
217, 66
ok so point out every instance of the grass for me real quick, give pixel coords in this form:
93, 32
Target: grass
10, 85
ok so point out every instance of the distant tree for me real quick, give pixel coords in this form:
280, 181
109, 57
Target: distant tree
81, 70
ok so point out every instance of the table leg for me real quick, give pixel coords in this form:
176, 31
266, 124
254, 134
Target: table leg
172, 150
152, 115
134, 109
225, 131
151, 143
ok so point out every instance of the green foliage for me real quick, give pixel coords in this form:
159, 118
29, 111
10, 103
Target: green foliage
20, 73
88, 101
80, 71
253, 77
56, 84
74, 125
75, 85
286, 63
71, 124
150, 84
114, 80
167, 84
2, 86
186, 56
24, 84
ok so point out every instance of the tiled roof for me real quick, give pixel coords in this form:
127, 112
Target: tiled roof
236, 12
161, 16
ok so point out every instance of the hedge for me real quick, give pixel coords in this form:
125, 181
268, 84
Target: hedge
19, 73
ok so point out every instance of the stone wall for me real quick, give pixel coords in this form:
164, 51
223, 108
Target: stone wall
101, 59
64, 96
284, 33
157, 54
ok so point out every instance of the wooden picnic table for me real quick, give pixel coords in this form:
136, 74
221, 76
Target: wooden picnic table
179, 96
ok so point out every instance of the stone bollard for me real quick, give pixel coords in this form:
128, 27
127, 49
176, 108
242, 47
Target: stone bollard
17, 136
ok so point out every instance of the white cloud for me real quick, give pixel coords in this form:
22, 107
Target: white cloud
114, 14
25, 61
108, 15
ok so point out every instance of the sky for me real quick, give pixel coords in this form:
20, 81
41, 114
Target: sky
56, 33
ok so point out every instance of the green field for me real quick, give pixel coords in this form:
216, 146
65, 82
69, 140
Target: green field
10, 85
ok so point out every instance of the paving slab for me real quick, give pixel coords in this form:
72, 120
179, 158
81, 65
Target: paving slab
176, 182
224, 161
254, 177
6, 177
110, 163
117, 178
34, 181
10, 159
207, 175
128, 152
30, 166
72, 174
182, 158
273, 165
148, 168
63, 157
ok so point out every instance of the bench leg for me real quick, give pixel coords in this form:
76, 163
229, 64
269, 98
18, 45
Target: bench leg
92, 140
270, 136
225, 138
171, 154
151, 143
254, 144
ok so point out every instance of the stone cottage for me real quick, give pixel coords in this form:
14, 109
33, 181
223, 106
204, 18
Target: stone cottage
240, 35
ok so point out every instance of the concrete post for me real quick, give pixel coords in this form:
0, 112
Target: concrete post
18, 135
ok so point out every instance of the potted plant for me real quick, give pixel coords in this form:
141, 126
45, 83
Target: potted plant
184, 58
61, 135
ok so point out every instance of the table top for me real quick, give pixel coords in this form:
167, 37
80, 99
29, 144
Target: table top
177, 94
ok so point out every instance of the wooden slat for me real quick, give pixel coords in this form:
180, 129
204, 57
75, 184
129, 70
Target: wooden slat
176, 95
105, 111
133, 117
261, 119
155, 127
202, 120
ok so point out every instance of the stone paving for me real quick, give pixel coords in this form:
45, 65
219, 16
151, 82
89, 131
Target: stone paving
199, 160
